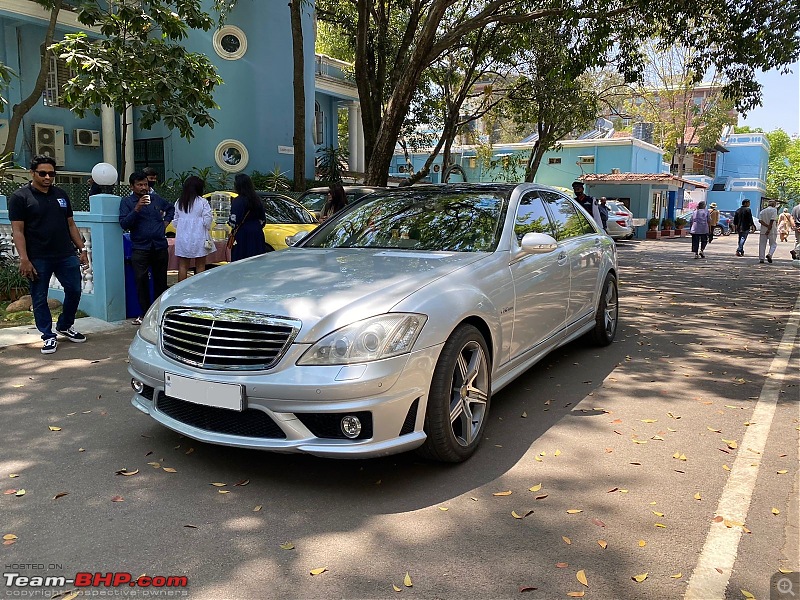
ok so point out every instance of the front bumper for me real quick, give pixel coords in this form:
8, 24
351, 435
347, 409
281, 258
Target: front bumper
387, 389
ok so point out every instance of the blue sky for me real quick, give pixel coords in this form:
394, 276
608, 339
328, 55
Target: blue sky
781, 102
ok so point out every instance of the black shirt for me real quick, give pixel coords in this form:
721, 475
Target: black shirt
45, 216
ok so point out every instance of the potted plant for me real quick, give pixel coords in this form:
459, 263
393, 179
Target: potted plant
653, 233
680, 223
13, 284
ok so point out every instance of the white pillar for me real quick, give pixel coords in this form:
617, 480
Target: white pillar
109, 135
353, 123
128, 150
362, 163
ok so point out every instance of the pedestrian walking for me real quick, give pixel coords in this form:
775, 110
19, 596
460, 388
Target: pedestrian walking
744, 225
784, 225
146, 215
47, 239
795, 214
192, 224
699, 225
713, 220
247, 220
588, 203
769, 231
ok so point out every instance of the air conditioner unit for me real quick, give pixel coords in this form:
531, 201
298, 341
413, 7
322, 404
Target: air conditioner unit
87, 138
49, 140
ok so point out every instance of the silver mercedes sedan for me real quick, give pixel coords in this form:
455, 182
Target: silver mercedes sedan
386, 329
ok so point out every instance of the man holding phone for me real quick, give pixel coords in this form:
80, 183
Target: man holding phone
46, 239
146, 215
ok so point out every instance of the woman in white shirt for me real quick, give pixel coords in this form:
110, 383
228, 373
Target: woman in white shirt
192, 224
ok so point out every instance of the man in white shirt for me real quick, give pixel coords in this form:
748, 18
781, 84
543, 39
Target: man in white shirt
769, 231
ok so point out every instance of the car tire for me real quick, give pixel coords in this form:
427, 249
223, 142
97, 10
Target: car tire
607, 316
459, 398
718, 231
270, 248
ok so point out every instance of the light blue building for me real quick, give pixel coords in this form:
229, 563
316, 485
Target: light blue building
255, 127
741, 172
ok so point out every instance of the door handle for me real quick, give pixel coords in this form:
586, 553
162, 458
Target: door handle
562, 256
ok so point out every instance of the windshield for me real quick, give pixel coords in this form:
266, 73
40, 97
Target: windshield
314, 200
427, 220
280, 210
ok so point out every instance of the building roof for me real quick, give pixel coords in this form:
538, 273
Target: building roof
622, 178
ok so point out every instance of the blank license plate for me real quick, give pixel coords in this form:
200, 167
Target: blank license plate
207, 393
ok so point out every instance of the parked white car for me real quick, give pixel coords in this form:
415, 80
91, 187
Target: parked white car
620, 220
388, 328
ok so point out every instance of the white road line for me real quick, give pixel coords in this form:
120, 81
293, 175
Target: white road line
719, 551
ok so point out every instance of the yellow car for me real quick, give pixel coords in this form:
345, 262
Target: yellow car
285, 217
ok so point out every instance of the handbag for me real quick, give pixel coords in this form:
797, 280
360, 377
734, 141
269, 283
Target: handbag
209, 243
232, 236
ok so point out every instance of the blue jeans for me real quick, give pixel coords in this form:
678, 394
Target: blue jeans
742, 239
68, 272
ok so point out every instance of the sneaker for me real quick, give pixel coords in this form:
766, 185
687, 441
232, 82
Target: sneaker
49, 346
137, 321
794, 254
739, 253
72, 335
697, 256
769, 258
702, 255
761, 261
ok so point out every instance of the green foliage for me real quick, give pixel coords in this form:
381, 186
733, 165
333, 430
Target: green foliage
783, 171
653, 222
680, 222
5, 78
667, 224
274, 181
140, 61
332, 162
10, 276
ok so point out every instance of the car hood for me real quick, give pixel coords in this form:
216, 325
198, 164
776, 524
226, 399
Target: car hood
323, 288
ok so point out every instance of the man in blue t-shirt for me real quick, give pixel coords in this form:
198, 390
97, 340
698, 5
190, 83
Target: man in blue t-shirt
146, 215
46, 239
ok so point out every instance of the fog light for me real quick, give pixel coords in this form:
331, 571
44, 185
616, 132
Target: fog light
137, 386
351, 426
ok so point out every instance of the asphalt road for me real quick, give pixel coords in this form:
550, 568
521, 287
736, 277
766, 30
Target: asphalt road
691, 414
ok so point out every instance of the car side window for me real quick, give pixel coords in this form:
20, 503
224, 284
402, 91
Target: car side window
568, 221
531, 217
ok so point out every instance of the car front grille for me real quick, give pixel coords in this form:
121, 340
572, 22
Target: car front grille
225, 339
248, 423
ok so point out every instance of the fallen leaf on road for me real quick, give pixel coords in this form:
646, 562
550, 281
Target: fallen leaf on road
52, 428
243, 482
566, 539
785, 571
524, 415
697, 496
562, 565
9, 536
443, 508
557, 453
677, 576
169, 470
574, 511
396, 589
648, 420
602, 543
127, 473
541, 497
642, 543
224, 491
726, 467
60, 495
319, 571
747, 594
257, 508
218, 484
598, 522
506, 493
155, 465
661, 525
576, 594
775, 511
612, 490
714, 430
581, 576
118, 499
782, 472
535, 488
20, 493
287, 546
526, 588
718, 519
639, 578
189, 451
9, 492
12, 475
407, 580
731, 444
658, 514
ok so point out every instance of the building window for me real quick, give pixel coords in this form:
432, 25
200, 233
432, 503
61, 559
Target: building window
57, 76
553, 161
586, 160
230, 42
319, 119
231, 156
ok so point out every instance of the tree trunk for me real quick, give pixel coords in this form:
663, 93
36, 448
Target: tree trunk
299, 139
21, 109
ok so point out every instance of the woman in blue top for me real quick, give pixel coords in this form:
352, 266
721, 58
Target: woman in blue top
700, 223
247, 212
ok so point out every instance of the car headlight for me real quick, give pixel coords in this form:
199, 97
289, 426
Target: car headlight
149, 328
371, 339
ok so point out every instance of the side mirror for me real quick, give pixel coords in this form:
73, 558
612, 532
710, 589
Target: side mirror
293, 240
538, 243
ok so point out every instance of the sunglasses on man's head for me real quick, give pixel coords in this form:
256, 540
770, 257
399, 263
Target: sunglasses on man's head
45, 173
